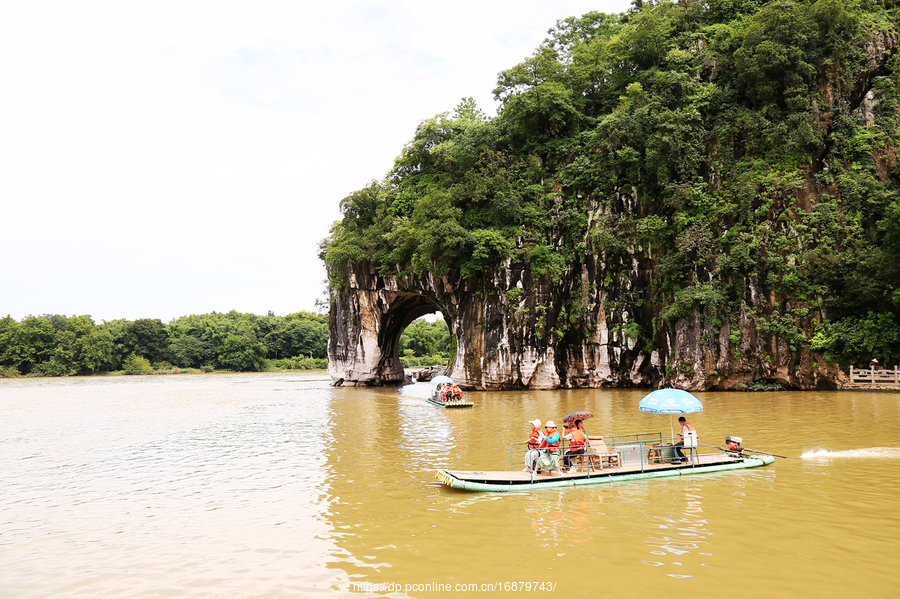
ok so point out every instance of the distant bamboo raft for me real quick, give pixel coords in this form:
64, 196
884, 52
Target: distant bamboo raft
868, 377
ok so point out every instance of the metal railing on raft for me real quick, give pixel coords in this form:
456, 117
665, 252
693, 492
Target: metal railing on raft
633, 449
637, 446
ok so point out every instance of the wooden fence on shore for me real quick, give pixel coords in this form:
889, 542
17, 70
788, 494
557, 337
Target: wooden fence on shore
869, 376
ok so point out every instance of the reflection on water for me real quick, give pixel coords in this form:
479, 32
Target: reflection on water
678, 540
279, 485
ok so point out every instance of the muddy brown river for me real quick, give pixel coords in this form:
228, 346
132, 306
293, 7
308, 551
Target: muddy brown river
277, 485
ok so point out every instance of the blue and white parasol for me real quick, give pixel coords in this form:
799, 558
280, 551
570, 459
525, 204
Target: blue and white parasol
670, 401
441, 379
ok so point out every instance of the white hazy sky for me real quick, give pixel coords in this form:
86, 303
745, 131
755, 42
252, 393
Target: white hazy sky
159, 159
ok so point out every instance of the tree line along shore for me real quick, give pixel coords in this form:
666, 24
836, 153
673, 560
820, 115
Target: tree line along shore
58, 345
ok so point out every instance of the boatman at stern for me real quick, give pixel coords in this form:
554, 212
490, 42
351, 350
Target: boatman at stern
685, 428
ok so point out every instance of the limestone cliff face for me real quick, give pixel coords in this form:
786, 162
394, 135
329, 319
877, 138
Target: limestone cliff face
515, 330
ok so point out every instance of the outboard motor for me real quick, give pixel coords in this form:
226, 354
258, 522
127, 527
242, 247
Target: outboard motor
733, 444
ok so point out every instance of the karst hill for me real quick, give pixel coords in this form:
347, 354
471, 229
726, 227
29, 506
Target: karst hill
695, 194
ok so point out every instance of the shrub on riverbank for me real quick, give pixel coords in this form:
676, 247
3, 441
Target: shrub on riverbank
759, 386
410, 361
135, 364
300, 363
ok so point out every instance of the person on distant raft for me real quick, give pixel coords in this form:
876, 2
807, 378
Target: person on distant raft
873, 364
455, 393
534, 443
685, 428
577, 441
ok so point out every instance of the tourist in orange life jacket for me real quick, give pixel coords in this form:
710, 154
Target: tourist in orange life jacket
549, 459
454, 394
535, 442
577, 441
685, 427
552, 441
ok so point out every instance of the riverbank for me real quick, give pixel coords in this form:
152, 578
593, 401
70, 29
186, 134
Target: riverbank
170, 371
865, 387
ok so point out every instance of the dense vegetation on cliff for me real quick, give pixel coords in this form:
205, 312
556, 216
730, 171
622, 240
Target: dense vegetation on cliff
56, 345
740, 147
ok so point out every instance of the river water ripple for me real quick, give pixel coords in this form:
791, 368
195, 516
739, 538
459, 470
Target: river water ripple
277, 485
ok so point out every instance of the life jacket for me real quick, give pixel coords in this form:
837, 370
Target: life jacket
541, 440
690, 427
553, 446
578, 439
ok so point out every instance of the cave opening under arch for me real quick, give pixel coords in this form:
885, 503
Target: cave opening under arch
405, 310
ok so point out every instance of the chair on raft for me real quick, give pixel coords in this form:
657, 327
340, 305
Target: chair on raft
597, 451
690, 443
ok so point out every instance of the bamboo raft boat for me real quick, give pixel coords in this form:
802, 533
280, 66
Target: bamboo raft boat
629, 457
435, 398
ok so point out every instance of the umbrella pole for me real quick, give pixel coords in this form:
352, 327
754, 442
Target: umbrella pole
672, 429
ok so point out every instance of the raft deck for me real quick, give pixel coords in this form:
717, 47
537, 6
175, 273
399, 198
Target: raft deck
474, 480
449, 404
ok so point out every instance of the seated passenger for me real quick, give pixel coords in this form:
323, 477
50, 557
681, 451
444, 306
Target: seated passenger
553, 440
534, 443
577, 441
455, 393
550, 455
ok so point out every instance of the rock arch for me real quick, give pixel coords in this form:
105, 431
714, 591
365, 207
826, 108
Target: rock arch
368, 316
515, 329
504, 336
402, 308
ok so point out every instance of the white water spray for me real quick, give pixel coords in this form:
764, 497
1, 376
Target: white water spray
818, 453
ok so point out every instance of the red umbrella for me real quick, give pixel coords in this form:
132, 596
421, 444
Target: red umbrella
579, 415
